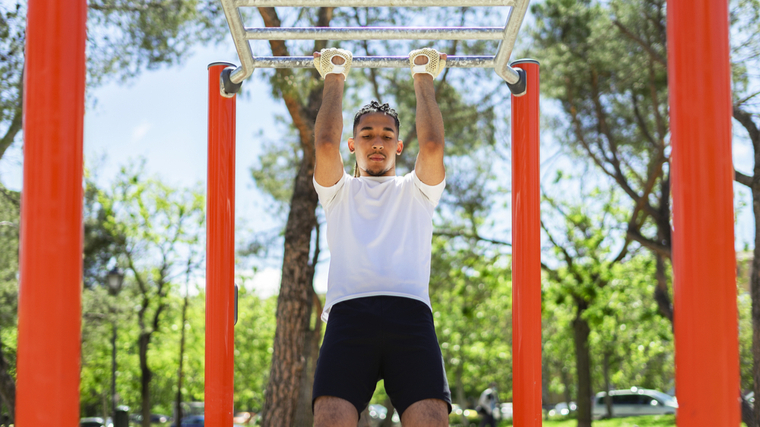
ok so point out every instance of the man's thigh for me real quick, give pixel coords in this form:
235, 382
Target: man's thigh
426, 413
331, 411
412, 363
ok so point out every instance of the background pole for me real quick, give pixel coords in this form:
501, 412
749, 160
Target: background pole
51, 214
704, 258
220, 253
526, 252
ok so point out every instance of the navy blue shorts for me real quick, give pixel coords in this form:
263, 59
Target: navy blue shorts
382, 337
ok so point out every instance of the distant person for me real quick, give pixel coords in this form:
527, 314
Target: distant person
488, 406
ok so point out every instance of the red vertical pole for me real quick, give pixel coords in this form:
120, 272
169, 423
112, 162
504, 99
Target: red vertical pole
707, 349
51, 214
220, 252
526, 252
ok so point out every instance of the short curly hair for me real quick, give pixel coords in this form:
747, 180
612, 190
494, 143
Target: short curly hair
376, 107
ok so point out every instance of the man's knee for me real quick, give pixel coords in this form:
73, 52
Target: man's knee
426, 413
334, 411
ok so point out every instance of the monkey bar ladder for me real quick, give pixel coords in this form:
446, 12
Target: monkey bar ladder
522, 79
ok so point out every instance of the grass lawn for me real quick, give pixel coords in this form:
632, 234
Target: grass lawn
648, 421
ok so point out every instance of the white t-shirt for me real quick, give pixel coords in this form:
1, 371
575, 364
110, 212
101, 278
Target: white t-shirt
379, 230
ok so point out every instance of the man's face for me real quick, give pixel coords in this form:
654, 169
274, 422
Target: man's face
376, 145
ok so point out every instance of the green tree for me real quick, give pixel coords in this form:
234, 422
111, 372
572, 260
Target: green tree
584, 258
471, 294
124, 38
159, 228
9, 235
608, 63
610, 115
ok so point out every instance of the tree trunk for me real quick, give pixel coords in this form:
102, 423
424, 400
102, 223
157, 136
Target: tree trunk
607, 397
145, 377
178, 408
293, 303
459, 372
661, 292
566, 382
7, 386
294, 300
581, 331
304, 413
754, 284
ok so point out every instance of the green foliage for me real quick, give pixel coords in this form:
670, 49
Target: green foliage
254, 335
155, 232
124, 38
10, 204
649, 421
627, 327
470, 290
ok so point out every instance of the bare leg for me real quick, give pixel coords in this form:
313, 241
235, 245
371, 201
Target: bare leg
426, 413
330, 411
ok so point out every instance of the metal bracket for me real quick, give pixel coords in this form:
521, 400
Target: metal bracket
227, 88
521, 87
500, 62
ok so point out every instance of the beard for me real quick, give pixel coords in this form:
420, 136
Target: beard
379, 172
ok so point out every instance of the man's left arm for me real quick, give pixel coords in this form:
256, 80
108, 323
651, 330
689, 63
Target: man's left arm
429, 166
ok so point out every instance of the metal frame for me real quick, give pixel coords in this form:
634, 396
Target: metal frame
220, 252
704, 263
241, 35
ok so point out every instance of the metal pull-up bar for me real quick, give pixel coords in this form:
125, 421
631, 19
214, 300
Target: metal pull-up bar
241, 35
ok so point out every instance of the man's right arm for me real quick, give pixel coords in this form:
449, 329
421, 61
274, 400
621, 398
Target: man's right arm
327, 132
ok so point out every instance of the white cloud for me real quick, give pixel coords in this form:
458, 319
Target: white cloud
139, 131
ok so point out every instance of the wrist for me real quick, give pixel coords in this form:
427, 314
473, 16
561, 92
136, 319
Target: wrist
334, 79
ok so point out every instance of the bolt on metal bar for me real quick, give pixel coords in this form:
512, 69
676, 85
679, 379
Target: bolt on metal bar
370, 62
376, 33
375, 3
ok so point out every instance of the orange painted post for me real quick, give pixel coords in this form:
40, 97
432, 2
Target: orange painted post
51, 215
526, 252
704, 258
220, 253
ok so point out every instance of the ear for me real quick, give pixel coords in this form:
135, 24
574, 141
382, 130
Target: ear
351, 147
399, 147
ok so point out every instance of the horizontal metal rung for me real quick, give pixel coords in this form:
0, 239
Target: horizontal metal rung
376, 33
370, 62
375, 3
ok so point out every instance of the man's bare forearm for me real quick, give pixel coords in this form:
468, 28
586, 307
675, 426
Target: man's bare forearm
329, 125
429, 118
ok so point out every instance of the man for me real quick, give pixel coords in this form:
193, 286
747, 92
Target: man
379, 230
488, 406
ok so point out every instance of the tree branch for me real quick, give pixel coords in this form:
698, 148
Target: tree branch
743, 179
17, 123
475, 236
649, 244
652, 53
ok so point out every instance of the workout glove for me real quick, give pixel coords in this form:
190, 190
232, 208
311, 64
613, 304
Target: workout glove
434, 65
325, 65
